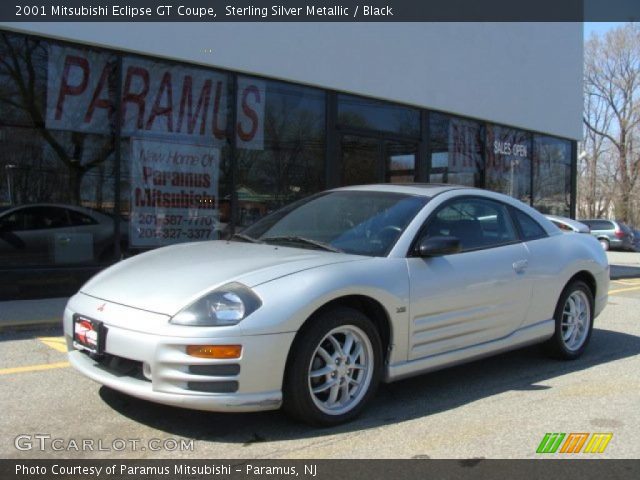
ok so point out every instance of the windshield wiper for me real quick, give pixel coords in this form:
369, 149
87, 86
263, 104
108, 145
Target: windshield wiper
246, 238
308, 241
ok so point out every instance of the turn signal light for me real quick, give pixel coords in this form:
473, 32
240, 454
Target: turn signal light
215, 351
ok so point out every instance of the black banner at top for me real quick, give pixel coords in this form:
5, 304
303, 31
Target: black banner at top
319, 10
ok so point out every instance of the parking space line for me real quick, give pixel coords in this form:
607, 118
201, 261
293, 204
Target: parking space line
620, 290
57, 343
33, 368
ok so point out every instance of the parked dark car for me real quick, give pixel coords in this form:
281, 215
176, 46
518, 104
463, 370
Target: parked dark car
611, 234
636, 239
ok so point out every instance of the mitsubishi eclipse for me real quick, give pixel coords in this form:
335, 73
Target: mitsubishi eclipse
314, 305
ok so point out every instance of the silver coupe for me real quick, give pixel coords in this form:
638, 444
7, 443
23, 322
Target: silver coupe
314, 305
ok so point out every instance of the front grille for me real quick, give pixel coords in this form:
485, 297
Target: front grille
121, 367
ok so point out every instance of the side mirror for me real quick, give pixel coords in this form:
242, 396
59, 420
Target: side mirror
435, 246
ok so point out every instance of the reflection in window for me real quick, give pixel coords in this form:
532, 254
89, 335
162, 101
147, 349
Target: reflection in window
356, 112
456, 150
286, 162
175, 163
360, 222
552, 175
509, 162
401, 161
360, 160
531, 230
476, 222
57, 107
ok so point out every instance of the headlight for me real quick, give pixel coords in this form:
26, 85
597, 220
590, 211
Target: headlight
227, 305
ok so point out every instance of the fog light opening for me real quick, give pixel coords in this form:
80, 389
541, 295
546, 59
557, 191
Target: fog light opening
146, 371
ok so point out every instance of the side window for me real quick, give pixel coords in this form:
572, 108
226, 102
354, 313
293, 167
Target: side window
476, 222
20, 221
47, 217
531, 230
600, 225
80, 219
10, 223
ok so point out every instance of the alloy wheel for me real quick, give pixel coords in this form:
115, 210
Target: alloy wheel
576, 317
340, 370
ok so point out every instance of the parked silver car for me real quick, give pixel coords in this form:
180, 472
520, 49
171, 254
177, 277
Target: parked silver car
314, 305
57, 234
611, 234
568, 225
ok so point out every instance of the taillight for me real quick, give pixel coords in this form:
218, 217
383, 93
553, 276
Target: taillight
619, 233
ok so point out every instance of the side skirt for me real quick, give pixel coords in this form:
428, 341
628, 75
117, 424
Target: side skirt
536, 333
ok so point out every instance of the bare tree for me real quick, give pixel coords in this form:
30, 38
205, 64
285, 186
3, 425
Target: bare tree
594, 198
612, 94
23, 64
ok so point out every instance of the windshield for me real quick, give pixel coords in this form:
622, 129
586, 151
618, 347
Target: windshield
357, 222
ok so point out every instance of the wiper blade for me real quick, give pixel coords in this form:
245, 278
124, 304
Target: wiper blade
246, 238
308, 241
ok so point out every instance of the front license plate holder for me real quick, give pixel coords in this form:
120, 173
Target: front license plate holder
89, 335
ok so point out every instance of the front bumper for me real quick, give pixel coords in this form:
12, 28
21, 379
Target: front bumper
159, 369
236, 402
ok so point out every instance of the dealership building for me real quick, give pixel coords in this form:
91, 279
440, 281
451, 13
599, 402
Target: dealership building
117, 138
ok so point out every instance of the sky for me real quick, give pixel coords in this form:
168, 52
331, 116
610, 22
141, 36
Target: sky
599, 27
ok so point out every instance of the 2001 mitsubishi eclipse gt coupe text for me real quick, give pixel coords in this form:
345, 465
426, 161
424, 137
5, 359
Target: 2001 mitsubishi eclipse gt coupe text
314, 305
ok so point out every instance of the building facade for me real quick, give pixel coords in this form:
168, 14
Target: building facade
115, 143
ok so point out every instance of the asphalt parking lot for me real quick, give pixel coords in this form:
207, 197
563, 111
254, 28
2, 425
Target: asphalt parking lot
500, 407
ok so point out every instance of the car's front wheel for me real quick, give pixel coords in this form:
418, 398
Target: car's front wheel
334, 368
574, 321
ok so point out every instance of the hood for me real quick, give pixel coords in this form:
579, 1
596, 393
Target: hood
167, 279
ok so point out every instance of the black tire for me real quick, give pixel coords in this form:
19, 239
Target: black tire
556, 346
605, 244
298, 400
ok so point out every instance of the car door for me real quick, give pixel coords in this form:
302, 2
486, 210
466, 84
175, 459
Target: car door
477, 295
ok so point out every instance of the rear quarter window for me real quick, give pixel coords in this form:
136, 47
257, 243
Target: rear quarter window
529, 228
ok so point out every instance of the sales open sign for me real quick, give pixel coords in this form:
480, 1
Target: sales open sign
157, 99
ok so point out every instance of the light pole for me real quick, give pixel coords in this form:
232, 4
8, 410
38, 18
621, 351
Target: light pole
9, 167
513, 164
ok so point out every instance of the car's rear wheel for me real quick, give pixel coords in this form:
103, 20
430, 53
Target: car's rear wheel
574, 321
604, 243
334, 368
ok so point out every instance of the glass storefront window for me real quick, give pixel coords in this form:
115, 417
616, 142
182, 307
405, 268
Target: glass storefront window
400, 161
63, 167
508, 167
360, 160
457, 148
280, 155
362, 113
552, 175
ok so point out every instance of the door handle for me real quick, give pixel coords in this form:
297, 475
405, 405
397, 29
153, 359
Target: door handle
64, 240
520, 266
